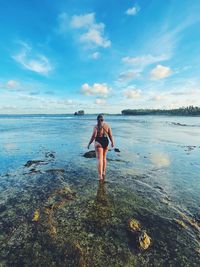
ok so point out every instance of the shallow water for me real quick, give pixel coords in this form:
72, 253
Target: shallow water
154, 179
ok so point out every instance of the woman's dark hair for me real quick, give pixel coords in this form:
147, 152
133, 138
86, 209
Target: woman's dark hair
100, 122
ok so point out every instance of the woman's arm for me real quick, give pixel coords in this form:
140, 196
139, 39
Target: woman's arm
110, 136
92, 137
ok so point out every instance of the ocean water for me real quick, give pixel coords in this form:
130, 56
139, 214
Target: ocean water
155, 179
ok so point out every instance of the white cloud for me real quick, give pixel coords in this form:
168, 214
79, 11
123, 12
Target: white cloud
91, 33
82, 21
132, 93
100, 101
95, 89
160, 72
12, 84
132, 11
95, 55
166, 38
128, 75
32, 61
158, 98
47, 101
8, 107
185, 89
94, 36
144, 60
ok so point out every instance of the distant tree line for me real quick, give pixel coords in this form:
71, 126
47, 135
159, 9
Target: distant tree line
183, 111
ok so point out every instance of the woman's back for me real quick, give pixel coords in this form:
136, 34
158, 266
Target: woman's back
103, 130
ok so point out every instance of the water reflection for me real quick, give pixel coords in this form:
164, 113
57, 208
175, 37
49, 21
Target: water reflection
101, 209
9, 147
102, 197
160, 159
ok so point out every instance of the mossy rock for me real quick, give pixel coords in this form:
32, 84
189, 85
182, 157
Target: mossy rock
134, 225
144, 240
138, 237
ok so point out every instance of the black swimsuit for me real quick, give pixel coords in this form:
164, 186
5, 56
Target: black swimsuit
103, 140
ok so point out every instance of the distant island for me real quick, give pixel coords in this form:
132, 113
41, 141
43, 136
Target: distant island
80, 112
183, 111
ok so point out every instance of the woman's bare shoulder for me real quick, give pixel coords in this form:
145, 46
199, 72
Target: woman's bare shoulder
106, 126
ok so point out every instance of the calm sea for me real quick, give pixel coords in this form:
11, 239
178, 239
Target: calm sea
159, 161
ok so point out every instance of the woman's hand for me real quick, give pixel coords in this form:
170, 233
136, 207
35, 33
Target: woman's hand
112, 144
88, 146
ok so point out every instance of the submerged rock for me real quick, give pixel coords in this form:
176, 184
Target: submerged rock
29, 163
90, 154
181, 223
159, 188
2, 207
138, 237
179, 124
36, 216
197, 250
55, 201
144, 241
134, 225
55, 170
50, 155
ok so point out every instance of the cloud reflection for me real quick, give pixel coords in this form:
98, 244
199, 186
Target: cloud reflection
9, 146
160, 159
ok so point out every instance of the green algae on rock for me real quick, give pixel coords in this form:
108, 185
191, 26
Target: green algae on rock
134, 225
144, 240
138, 236
181, 223
36, 216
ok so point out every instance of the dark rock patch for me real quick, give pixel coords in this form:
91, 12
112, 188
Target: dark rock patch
50, 155
29, 163
90, 154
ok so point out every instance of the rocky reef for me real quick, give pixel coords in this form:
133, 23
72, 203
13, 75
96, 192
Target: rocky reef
138, 236
53, 215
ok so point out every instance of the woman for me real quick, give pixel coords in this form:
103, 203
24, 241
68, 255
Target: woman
100, 134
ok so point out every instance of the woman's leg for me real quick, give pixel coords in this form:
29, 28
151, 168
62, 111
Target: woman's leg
99, 156
104, 161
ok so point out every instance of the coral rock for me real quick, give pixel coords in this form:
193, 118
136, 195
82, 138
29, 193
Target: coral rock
134, 225
36, 216
144, 241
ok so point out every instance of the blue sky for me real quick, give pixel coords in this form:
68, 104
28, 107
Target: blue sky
100, 56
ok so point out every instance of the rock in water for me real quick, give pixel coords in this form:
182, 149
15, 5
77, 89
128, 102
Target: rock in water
134, 225
90, 154
116, 150
144, 240
50, 155
138, 237
36, 216
29, 163
80, 112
